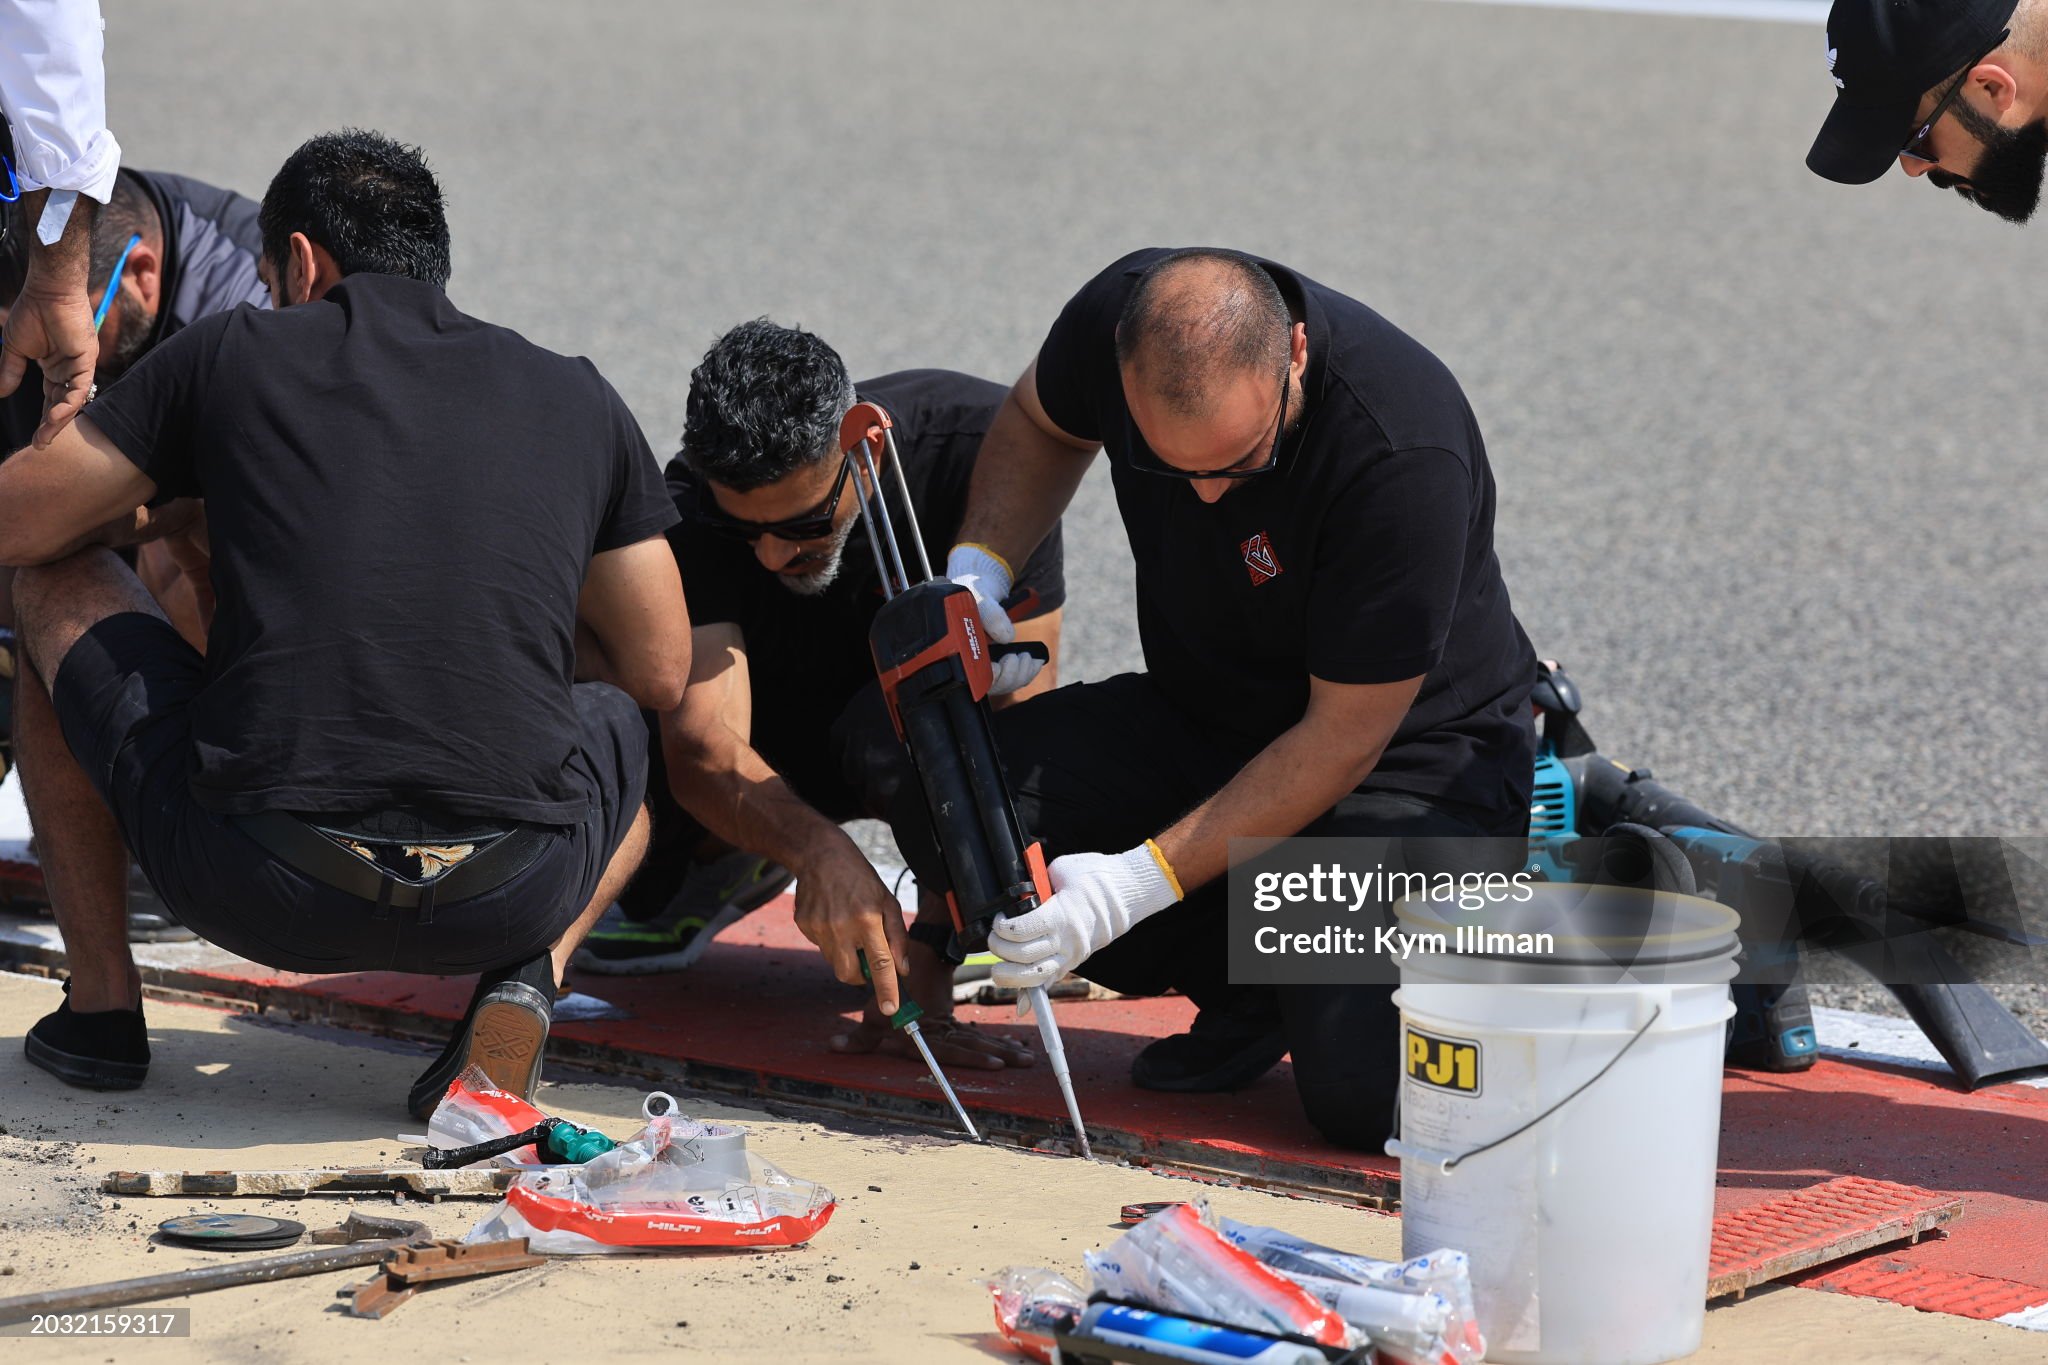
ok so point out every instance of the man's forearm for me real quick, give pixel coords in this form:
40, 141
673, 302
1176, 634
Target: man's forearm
63, 265
1023, 480
1286, 786
592, 663
123, 532
733, 793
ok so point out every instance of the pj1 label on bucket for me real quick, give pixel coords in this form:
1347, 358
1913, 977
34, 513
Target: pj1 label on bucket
1446, 1063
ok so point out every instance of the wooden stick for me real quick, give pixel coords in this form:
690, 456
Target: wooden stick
469, 1183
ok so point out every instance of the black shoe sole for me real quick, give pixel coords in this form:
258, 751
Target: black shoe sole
87, 1073
1234, 1072
505, 1033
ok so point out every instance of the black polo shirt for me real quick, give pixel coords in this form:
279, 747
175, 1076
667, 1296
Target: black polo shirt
812, 652
403, 502
1366, 557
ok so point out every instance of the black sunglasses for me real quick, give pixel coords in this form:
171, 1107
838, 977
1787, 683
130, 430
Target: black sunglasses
1919, 147
1143, 457
813, 525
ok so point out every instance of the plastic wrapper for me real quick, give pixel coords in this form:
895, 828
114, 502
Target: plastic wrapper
657, 1192
1177, 1262
1418, 1311
476, 1111
1032, 1303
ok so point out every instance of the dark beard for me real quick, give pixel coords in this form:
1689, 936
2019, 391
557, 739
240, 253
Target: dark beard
137, 327
2007, 177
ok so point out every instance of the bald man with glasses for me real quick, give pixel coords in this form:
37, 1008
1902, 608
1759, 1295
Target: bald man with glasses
1329, 648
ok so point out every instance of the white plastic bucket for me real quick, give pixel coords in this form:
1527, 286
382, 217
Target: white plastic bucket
1560, 1122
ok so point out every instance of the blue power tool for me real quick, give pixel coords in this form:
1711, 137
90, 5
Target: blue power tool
1580, 792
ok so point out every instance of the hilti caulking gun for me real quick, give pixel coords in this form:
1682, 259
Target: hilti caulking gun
936, 666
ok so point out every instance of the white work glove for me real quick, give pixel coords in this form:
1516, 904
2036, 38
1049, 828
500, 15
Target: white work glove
979, 571
1096, 899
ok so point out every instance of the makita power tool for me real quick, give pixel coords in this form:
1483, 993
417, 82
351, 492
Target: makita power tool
1580, 792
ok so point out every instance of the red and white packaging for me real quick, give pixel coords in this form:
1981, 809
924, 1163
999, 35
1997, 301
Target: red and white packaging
1176, 1262
651, 1194
476, 1111
1031, 1304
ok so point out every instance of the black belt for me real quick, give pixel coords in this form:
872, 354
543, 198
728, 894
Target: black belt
310, 850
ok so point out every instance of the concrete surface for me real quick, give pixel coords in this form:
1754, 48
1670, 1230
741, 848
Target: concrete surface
894, 1276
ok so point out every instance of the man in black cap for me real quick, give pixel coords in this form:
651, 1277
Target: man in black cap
1955, 90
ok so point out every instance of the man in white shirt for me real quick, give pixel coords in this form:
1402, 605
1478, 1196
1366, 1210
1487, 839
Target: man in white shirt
53, 88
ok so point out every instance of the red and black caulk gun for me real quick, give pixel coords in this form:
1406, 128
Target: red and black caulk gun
936, 665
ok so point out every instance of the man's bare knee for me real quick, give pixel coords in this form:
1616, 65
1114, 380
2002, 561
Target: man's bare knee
56, 603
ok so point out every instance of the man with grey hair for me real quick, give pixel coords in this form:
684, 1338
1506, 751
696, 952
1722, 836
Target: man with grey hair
1953, 90
1328, 644
771, 749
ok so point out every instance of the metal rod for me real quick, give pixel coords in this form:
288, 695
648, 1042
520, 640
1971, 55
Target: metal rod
917, 1036
868, 519
909, 503
1056, 1053
867, 458
181, 1282
485, 1181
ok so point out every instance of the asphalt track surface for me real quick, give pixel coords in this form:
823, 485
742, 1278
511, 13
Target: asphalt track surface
1770, 451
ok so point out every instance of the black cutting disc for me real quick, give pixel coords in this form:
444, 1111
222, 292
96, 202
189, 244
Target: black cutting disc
230, 1231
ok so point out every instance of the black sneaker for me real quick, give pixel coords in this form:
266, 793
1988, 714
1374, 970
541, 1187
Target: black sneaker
103, 1050
711, 898
1227, 1049
504, 1031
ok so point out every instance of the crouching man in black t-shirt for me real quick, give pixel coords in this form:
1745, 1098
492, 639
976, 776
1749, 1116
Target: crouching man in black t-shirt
380, 763
1328, 644
777, 739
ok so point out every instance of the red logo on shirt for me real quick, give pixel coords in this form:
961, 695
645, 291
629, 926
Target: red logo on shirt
1260, 559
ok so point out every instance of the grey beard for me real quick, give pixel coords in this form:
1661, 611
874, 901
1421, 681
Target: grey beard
814, 583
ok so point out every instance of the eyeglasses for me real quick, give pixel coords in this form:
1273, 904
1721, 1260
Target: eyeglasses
1920, 146
1143, 457
813, 525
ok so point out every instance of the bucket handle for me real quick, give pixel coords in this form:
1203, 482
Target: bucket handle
1447, 1164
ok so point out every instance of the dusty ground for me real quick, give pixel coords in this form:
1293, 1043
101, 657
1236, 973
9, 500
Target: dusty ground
894, 1276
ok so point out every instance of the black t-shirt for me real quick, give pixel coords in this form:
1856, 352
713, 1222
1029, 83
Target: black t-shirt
822, 642
1366, 557
403, 502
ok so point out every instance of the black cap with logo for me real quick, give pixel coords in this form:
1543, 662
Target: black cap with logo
1884, 55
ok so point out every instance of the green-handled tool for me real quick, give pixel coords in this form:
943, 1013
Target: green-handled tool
905, 1018
555, 1140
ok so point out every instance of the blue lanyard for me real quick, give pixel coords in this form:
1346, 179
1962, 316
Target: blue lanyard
114, 282
13, 186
